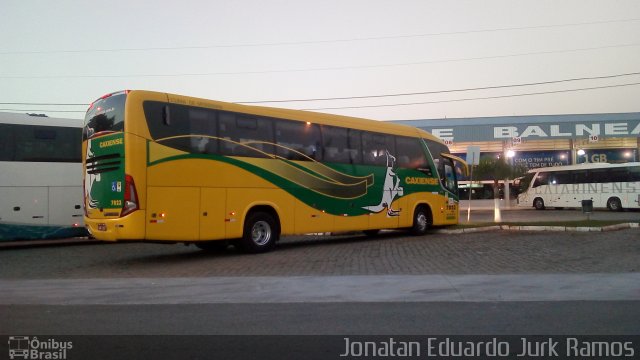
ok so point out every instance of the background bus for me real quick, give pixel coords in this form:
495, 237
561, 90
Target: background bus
612, 186
483, 189
179, 169
40, 177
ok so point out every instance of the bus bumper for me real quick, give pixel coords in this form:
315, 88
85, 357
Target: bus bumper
130, 227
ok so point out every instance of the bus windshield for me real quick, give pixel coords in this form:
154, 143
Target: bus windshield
105, 115
525, 181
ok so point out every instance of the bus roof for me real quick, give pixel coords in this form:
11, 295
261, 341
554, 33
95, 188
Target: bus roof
584, 166
346, 121
301, 115
25, 119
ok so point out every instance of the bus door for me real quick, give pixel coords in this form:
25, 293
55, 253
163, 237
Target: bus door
450, 182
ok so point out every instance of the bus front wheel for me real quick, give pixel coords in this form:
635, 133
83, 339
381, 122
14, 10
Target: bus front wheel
260, 232
538, 203
421, 221
614, 204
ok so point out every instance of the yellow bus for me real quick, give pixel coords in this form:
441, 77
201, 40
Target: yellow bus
171, 168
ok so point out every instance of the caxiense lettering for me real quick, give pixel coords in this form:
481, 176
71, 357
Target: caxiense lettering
107, 143
420, 181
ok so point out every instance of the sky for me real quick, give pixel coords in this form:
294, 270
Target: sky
456, 58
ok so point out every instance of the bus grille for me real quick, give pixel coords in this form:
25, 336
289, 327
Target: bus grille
102, 164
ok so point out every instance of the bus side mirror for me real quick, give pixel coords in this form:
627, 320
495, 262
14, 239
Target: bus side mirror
166, 115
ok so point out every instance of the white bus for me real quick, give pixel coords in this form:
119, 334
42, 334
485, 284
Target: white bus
612, 186
40, 177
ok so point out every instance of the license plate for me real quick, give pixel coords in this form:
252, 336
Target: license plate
102, 227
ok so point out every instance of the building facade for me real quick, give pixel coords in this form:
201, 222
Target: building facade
540, 141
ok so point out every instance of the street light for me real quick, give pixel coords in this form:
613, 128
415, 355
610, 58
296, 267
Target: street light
581, 152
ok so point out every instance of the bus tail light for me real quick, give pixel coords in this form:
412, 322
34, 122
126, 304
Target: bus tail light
130, 196
84, 198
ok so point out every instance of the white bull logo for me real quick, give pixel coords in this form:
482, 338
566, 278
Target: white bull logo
390, 189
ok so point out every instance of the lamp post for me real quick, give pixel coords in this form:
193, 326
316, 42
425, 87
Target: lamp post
507, 185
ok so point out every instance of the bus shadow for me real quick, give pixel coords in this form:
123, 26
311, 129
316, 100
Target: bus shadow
296, 242
286, 244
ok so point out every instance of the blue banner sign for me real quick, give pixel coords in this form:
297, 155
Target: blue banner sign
538, 159
608, 155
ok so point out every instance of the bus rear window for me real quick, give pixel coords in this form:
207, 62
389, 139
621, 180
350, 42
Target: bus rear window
105, 115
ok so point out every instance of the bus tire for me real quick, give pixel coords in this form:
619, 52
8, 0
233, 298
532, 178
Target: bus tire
261, 231
421, 221
614, 204
538, 203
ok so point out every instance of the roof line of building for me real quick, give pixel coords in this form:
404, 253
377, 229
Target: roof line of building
522, 119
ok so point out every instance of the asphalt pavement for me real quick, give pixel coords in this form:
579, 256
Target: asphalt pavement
495, 282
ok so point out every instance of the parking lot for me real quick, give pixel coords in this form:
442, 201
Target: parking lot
493, 282
494, 252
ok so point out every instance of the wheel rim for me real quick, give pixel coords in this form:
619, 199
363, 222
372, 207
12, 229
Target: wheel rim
614, 204
261, 233
421, 221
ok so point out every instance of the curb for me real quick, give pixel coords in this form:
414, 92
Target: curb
538, 228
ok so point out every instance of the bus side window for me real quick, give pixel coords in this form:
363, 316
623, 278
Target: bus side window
354, 146
228, 138
561, 177
334, 143
541, 179
203, 123
411, 155
255, 133
580, 177
375, 147
46, 143
609, 175
7, 142
298, 140
618, 175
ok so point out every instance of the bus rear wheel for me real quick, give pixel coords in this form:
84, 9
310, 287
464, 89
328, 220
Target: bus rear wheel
260, 232
538, 203
614, 204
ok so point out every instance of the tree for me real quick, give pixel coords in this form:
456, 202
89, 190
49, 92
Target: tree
497, 169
